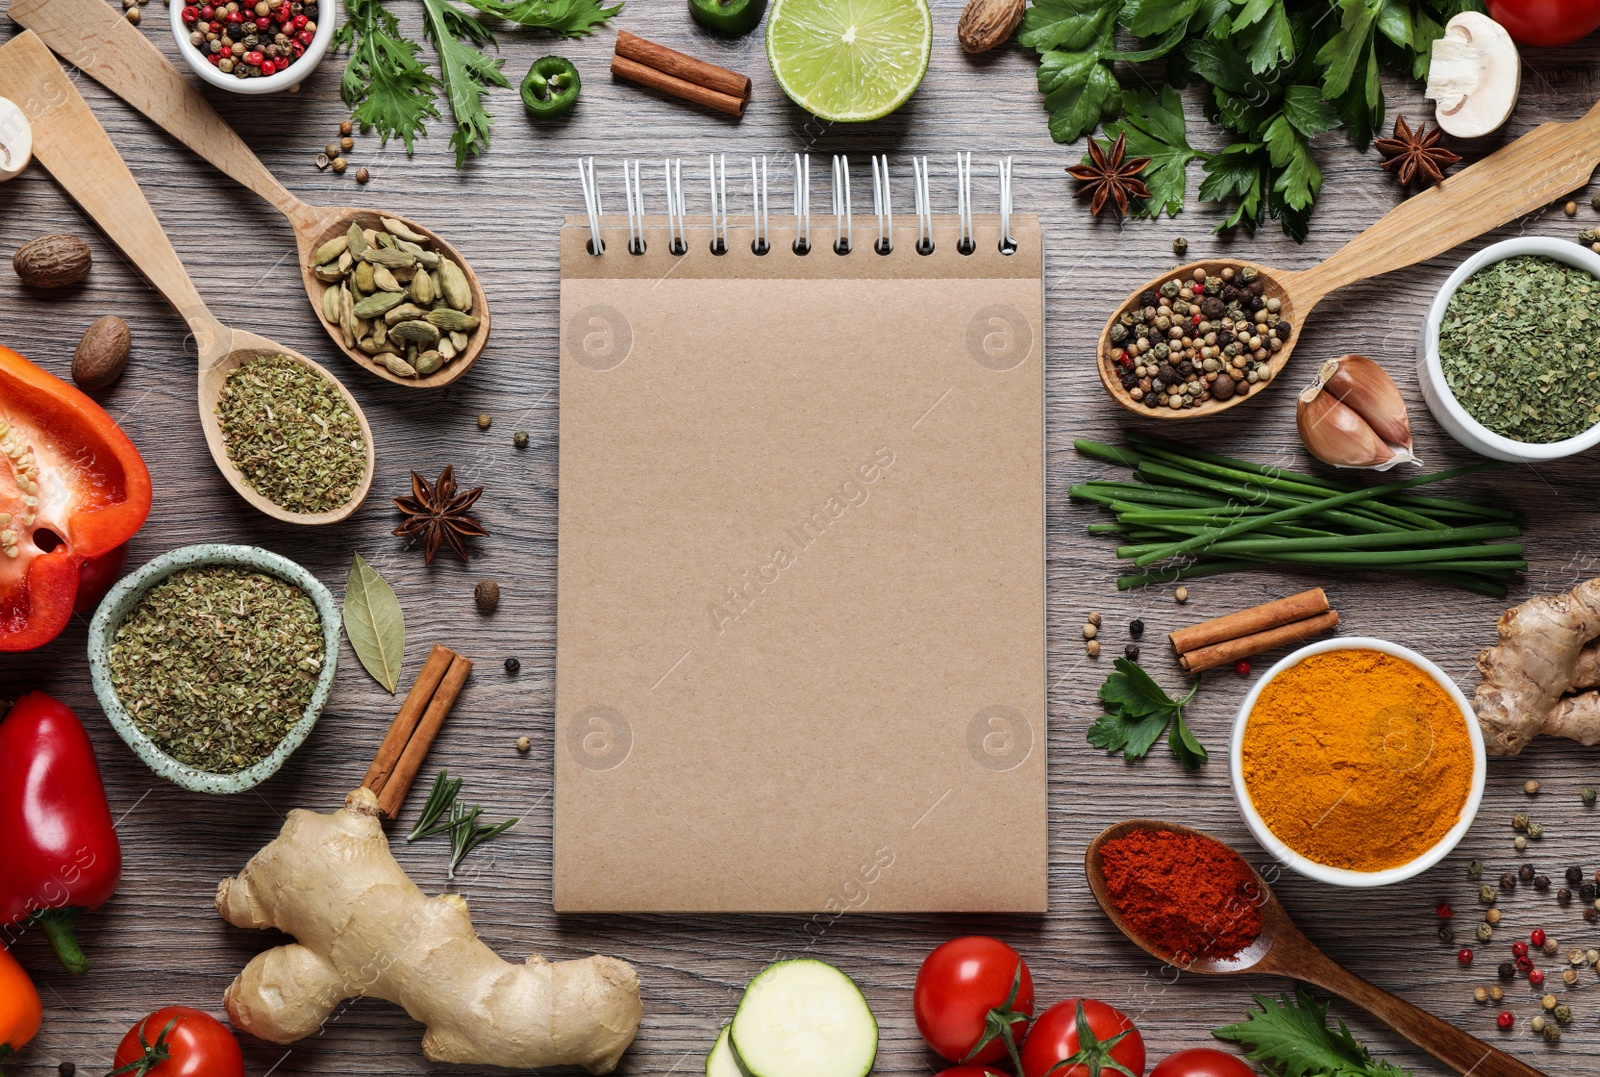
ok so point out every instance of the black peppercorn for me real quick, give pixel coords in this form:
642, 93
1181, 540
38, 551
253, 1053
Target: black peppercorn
1526, 873
1282, 329
512, 665
1136, 628
67, 1069
1587, 892
1541, 883
1131, 651
1592, 915
1508, 881
1148, 299
1447, 934
1564, 896
1508, 970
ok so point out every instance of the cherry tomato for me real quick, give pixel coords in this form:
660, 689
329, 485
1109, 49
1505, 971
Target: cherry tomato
96, 576
969, 1071
1202, 1062
179, 1042
1546, 22
1054, 1039
964, 994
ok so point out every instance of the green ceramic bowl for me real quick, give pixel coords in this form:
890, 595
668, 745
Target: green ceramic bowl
121, 602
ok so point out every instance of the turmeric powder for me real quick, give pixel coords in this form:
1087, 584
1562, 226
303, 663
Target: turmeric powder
1357, 759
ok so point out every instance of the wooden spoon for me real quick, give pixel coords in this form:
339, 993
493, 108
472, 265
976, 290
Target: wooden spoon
92, 36
69, 142
1282, 950
1542, 166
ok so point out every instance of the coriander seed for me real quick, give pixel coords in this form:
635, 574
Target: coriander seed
1480, 994
347, 143
1090, 631
346, 128
1094, 619
338, 164
1496, 992
1092, 648
362, 175
523, 744
332, 148
484, 420
1530, 787
1181, 595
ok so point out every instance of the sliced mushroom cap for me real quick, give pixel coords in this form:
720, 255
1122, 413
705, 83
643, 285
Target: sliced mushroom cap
1473, 76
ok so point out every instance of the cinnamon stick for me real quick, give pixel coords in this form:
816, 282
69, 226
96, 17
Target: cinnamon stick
405, 723
410, 762
682, 76
1229, 651
1251, 621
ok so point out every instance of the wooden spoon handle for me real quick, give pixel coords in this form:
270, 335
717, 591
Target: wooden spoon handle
70, 142
91, 36
1460, 1051
1552, 160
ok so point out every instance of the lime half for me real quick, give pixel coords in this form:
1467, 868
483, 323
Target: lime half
849, 60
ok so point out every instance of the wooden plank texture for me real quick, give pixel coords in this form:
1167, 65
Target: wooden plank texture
160, 941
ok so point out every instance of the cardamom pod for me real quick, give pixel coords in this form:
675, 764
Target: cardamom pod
429, 361
429, 260
453, 320
346, 260
405, 312
383, 280
411, 351
446, 348
403, 274
379, 303
382, 239
399, 366
330, 250
422, 289
454, 287
385, 257
355, 239
363, 326
398, 228
370, 235
365, 279
330, 305
416, 332
368, 345
347, 316
459, 339
328, 273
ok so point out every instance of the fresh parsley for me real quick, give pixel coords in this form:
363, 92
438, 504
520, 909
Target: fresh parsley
1291, 1036
1137, 712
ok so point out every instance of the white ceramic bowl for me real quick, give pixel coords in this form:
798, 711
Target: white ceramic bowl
1343, 876
294, 75
1436, 391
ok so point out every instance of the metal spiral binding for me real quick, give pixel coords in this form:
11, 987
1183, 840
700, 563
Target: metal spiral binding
758, 198
882, 205
802, 203
591, 203
919, 169
841, 205
677, 233
1008, 245
719, 204
633, 192
965, 244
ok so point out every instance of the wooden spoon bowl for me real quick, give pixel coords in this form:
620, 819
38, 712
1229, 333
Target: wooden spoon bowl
69, 142
1282, 949
1541, 167
92, 37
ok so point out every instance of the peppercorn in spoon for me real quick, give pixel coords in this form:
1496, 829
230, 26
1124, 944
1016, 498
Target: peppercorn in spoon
1542, 166
71, 144
1281, 949
91, 36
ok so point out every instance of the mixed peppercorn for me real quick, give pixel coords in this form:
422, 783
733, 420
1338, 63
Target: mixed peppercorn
251, 41
1199, 338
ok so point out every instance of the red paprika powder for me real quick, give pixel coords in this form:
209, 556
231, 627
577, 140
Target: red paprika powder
1186, 894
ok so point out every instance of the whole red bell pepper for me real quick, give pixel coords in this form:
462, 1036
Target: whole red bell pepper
73, 489
58, 846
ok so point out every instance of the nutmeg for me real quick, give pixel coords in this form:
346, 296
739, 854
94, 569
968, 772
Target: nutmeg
487, 596
988, 24
102, 353
55, 261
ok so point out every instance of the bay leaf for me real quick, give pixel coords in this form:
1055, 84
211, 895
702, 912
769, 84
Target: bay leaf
374, 623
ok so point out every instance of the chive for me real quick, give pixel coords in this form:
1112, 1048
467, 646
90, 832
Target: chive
1365, 542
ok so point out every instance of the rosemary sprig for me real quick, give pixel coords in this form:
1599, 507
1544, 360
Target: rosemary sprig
445, 812
436, 812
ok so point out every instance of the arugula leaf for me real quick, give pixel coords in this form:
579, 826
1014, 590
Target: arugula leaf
1154, 128
570, 18
467, 73
389, 89
1079, 90
1292, 1037
1138, 712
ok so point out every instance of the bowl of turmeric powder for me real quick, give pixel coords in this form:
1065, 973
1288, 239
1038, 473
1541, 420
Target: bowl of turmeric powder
1357, 762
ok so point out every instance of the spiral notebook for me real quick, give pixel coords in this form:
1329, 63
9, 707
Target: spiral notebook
800, 650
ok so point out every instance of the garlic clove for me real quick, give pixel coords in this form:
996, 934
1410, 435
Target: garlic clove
1474, 75
1336, 435
1366, 387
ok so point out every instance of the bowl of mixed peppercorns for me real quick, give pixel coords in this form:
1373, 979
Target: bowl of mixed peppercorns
253, 46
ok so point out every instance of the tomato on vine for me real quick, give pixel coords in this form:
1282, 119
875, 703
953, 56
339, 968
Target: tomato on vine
178, 1042
1202, 1062
973, 1000
1082, 1037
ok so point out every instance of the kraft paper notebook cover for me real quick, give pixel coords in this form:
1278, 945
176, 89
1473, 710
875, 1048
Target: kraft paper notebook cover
800, 652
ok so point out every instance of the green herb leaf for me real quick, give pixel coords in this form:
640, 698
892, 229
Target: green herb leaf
1240, 171
1148, 18
1304, 107
1190, 752
1137, 712
1132, 736
1292, 1037
1344, 54
570, 18
374, 623
1068, 25
1079, 90
1154, 128
383, 81
467, 73
1298, 178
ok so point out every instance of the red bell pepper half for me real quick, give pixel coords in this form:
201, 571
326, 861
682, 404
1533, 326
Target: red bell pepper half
58, 846
73, 489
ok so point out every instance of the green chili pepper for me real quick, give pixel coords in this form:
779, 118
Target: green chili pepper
551, 88
730, 17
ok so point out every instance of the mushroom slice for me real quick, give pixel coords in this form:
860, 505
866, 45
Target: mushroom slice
1473, 76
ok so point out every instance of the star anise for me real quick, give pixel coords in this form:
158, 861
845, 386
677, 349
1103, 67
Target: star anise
438, 514
1111, 179
1415, 155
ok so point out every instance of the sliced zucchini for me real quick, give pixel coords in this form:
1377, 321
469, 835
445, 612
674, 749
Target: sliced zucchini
720, 1062
803, 1018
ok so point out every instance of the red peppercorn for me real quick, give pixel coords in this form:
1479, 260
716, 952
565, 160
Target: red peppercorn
305, 37
1525, 964
1505, 1020
207, 11
1535, 977
1444, 910
214, 58
1242, 668
1465, 956
299, 22
235, 18
1537, 938
190, 14
299, 49
227, 52
1520, 949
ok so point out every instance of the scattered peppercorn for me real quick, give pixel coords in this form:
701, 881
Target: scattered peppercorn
1089, 630
1537, 937
1131, 652
1181, 595
1574, 875
1563, 1013
1538, 1023
1492, 916
1519, 948
1485, 932
1507, 970
1536, 977
67, 1069
1444, 911
1552, 1033
1506, 1021
1570, 209
1587, 795
1092, 648
1587, 892
1541, 883
513, 664
1465, 956
1594, 203
1564, 896
1530, 787
1551, 946
1486, 894
1496, 992
1136, 628
338, 164
523, 744
1592, 915
332, 148
1447, 934
1180, 247
1592, 956
1519, 843
347, 128
1508, 881
1474, 868
1519, 821
1535, 830
1480, 994
1575, 957
1569, 977
487, 596
484, 419
1242, 667
1549, 1002
362, 175
520, 439
133, 15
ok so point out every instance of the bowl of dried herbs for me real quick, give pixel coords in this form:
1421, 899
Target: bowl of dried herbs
1509, 360
213, 663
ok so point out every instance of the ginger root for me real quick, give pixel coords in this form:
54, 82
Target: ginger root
365, 930
1547, 651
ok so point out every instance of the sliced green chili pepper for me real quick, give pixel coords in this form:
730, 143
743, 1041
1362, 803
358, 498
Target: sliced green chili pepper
551, 88
730, 17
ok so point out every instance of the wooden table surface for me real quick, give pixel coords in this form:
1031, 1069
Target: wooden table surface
159, 941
